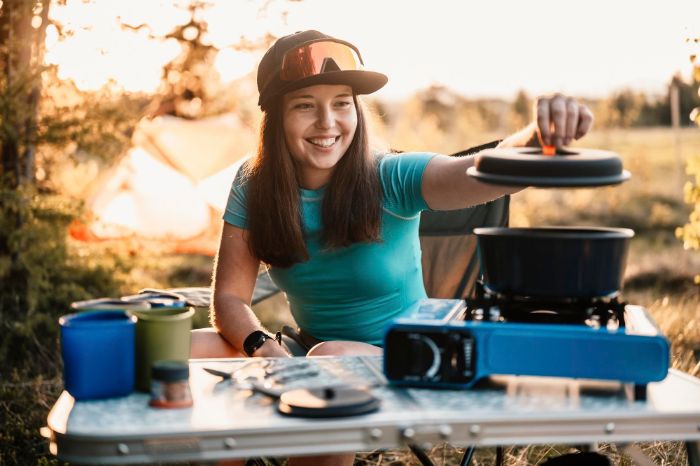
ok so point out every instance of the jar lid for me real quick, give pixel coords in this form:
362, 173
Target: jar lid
170, 371
527, 166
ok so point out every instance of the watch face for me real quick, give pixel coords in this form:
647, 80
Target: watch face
254, 341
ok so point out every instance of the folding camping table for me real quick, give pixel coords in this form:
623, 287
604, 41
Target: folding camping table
230, 422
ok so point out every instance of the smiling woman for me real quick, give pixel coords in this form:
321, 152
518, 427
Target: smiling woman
336, 224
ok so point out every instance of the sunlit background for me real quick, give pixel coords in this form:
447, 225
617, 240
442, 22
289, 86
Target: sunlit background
459, 72
479, 48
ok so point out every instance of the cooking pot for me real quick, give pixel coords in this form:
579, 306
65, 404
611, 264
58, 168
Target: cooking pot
553, 262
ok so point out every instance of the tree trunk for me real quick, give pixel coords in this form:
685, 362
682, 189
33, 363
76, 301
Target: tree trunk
29, 169
21, 58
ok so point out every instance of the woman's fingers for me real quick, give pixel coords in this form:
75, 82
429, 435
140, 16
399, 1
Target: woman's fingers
585, 121
558, 116
561, 119
543, 121
572, 119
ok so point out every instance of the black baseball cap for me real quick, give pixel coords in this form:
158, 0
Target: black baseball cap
308, 58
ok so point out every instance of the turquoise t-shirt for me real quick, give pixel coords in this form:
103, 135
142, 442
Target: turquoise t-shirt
351, 293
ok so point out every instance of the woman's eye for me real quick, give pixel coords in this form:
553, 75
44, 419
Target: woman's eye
343, 103
303, 106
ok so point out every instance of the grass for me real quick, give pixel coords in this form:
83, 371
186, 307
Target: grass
659, 276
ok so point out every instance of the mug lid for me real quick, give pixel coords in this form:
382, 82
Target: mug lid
170, 371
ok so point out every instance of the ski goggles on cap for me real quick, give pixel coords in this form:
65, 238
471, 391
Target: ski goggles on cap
318, 57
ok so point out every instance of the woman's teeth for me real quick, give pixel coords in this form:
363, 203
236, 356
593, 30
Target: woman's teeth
325, 142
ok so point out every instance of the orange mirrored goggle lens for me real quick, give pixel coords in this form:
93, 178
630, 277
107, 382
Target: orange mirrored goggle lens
318, 57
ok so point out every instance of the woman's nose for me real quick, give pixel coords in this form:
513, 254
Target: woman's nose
325, 117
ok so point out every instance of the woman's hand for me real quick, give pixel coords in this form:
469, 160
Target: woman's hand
560, 119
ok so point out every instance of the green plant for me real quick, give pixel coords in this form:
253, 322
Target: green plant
37, 287
690, 232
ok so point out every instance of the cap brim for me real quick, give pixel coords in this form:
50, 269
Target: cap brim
361, 81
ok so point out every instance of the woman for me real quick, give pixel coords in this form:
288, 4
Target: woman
336, 225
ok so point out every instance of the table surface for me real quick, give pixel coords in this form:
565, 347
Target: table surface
227, 421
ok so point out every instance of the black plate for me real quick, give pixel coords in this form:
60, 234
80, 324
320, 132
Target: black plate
526, 166
327, 402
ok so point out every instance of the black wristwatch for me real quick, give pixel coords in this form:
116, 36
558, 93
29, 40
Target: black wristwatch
258, 338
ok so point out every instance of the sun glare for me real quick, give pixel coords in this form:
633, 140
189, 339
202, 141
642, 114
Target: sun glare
441, 41
100, 50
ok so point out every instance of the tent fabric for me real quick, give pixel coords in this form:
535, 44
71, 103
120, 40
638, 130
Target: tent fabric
196, 148
215, 189
147, 197
173, 183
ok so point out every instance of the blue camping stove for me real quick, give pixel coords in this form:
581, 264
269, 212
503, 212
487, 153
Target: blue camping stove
449, 343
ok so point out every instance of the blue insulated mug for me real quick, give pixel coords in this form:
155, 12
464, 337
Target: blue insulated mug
98, 354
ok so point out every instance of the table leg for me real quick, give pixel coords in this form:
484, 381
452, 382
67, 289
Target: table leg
468, 454
693, 449
499, 456
421, 455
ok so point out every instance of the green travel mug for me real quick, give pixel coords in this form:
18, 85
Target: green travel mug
161, 334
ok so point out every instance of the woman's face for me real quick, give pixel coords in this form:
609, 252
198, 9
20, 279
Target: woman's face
319, 125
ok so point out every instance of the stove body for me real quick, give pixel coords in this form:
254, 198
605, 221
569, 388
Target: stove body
454, 343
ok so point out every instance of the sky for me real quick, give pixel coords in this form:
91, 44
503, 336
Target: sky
479, 48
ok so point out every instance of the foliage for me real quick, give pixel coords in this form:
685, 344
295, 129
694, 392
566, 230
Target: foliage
43, 120
690, 232
627, 108
37, 288
75, 123
190, 85
522, 109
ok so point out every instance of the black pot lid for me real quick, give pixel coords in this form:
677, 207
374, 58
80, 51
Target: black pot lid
338, 401
527, 166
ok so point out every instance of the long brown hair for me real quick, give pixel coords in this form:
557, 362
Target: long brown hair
351, 211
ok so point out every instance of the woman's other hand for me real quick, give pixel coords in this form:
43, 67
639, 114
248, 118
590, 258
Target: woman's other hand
560, 119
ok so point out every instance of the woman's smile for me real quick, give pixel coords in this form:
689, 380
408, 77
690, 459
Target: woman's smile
324, 142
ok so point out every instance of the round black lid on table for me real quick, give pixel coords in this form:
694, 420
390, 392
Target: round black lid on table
327, 402
527, 166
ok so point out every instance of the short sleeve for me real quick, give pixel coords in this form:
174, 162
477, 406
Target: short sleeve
237, 204
401, 176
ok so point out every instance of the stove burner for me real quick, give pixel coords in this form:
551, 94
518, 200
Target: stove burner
595, 312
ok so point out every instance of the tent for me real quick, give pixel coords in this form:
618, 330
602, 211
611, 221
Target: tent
172, 183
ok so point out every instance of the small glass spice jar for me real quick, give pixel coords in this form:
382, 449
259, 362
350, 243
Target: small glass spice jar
170, 387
